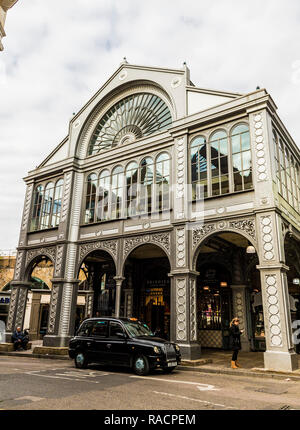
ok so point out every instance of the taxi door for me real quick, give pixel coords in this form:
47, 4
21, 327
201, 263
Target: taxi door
117, 348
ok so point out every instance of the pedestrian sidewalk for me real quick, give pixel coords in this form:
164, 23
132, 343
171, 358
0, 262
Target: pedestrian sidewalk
252, 364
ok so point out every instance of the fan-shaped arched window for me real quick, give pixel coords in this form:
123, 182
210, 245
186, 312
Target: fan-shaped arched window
199, 167
131, 118
117, 183
241, 157
162, 179
131, 188
90, 200
218, 144
146, 184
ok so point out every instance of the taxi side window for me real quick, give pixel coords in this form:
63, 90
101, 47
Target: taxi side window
85, 329
115, 328
99, 328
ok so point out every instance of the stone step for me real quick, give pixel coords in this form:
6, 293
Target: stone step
199, 362
51, 350
9, 347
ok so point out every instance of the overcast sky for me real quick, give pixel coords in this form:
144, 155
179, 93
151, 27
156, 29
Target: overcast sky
57, 54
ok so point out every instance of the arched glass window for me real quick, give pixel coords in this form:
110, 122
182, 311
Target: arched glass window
288, 177
146, 183
162, 180
37, 207
294, 183
90, 200
103, 196
277, 162
131, 188
129, 119
47, 206
282, 169
199, 168
218, 145
117, 181
241, 157
57, 202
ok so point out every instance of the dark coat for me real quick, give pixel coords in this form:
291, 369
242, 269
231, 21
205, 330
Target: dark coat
23, 336
235, 338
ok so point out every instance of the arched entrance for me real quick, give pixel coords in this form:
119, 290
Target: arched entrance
227, 265
292, 260
146, 288
39, 274
96, 275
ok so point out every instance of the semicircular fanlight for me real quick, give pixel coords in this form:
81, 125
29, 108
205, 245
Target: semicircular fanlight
131, 118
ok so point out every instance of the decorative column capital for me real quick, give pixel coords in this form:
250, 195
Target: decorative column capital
119, 279
279, 266
21, 284
183, 272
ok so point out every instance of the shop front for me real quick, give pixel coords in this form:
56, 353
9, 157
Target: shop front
214, 306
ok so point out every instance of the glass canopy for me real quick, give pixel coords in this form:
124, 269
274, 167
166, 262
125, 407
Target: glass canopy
133, 117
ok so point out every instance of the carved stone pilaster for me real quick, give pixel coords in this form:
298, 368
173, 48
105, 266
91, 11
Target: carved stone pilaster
27, 206
12, 309
53, 311
193, 311
181, 293
180, 247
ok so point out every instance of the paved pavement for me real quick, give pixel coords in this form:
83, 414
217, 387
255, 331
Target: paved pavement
39, 384
252, 363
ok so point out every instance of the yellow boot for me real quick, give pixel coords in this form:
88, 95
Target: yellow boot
233, 366
237, 364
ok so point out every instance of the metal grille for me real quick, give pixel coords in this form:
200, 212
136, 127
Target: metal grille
170, 351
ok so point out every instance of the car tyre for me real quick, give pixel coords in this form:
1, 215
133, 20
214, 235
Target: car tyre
168, 369
81, 361
141, 365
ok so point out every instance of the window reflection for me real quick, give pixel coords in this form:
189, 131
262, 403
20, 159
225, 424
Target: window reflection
230, 167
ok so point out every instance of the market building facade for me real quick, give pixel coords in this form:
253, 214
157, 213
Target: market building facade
174, 204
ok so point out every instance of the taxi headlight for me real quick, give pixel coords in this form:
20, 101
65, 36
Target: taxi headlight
177, 348
157, 350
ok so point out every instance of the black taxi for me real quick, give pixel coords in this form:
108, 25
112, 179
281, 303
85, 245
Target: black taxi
122, 342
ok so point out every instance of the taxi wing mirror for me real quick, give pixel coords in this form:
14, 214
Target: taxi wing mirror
121, 335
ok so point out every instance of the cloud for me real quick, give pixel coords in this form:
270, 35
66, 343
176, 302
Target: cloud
57, 55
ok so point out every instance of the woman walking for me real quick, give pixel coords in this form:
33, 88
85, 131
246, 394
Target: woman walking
235, 341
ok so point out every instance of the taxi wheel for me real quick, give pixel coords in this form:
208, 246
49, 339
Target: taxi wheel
168, 369
81, 360
140, 365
